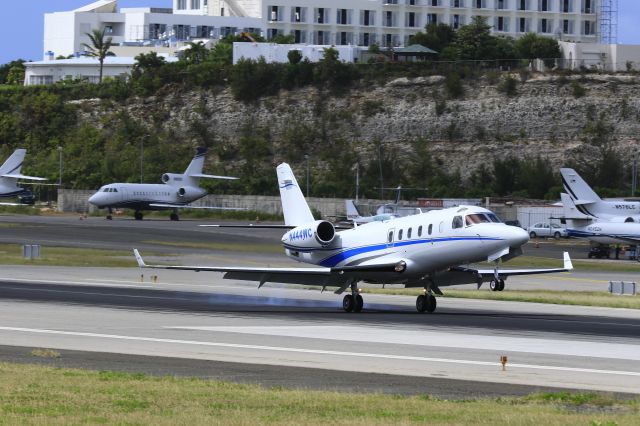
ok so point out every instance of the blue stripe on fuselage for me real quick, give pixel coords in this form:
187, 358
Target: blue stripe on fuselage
345, 254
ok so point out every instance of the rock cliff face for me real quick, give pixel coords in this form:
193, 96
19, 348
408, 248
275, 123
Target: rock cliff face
559, 118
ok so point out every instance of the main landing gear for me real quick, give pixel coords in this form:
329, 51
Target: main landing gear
110, 214
426, 303
137, 215
496, 285
174, 217
353, 302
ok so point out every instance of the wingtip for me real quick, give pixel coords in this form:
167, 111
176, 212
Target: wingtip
568, 265
139, 259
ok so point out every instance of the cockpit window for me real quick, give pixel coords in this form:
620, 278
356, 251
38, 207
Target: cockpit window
493, 218
457, 222
475, 218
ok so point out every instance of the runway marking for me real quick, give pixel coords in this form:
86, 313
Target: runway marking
320, 351
91, 293
429, 338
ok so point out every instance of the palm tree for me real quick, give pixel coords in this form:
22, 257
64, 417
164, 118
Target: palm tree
196, 52
99, 47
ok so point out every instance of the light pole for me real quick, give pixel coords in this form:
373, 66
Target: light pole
634, 174
380, 167
306, 157
142, 158
60, 167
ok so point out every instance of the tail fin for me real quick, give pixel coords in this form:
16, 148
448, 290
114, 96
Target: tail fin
195, 167
577, 188
571, 211
294, 207
352, 210
14, 163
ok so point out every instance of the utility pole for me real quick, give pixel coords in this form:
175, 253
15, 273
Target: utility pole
142, 158
380, 167
60, 167
357, 181
306, 157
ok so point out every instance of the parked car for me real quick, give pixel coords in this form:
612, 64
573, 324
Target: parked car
27, 197
543, 229
599, 252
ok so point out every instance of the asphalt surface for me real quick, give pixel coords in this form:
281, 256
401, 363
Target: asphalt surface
197, 324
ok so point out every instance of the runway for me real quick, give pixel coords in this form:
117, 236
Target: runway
200, 316
187, 321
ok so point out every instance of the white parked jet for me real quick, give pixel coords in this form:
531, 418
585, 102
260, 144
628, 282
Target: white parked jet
428, 250
353, 215
10, 173
590, 204
176, 191
580, 225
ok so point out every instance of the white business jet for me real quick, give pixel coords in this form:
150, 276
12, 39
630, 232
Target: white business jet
590, 204
10, 174
428, 250
580, 225
176, 191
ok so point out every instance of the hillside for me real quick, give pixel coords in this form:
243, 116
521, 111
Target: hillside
481, 136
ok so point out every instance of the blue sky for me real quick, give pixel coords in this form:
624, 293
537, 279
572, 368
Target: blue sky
21, 23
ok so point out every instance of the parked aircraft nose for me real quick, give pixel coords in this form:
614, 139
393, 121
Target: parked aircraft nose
516, 236
95, 199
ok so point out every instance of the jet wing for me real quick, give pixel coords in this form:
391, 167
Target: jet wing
323, 277
12, 176
189, 206
265, 226
568, 266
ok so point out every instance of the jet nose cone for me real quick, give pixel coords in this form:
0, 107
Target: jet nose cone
517, 236
94, 198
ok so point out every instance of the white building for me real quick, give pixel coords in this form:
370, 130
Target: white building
83, 68
605, 57
337, 22
134, 28
391, 22
272, 52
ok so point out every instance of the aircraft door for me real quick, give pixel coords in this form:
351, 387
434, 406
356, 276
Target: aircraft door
391, 232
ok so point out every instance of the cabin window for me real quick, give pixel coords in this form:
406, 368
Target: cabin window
400, 235
430, 229
441, 227
409, 233
420, 231
390, 239
457, 222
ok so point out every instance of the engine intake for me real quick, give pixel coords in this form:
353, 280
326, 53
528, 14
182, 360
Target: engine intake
316, 234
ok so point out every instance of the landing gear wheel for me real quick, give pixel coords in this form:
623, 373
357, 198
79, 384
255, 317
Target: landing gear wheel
500, 285
494, 285
348, 303
137, 215
174, 217
359, 303
421, 303
431, 303
109, 217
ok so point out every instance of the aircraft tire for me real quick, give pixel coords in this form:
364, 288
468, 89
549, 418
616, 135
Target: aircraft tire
431, 303
359, 303
501, 285
109, 217
137, 215
348, 303
174, 217
421, 303
494, 285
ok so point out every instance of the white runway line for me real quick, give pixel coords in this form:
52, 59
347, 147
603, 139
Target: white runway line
319, 352
394, 336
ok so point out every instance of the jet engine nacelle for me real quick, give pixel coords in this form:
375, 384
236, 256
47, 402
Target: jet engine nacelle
189, 192
624, 219
316, 234
172, 178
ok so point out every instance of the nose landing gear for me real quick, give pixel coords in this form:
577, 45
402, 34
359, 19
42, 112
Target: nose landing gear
353, 302
496, 285
426, 303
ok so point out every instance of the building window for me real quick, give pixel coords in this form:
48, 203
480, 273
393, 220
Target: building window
522, 25
544, 5
566, 6
432, 18
271, 33
545, 26
299, 36
455, 21
298, 14
501, 4
388, 19
342, 17
40, 79
457, 3
479, 4
320, 16
567, 27
411, 2
274, 13
195, 4
588, 6
522, 4
589, 27
411, 19
344, 38
367, 18
181, 4
434, 2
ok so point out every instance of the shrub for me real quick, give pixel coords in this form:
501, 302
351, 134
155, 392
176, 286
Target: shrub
509, 86
454, 87
577, 90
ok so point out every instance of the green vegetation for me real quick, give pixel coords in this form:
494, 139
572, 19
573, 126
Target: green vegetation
582, 298
11, 254
36, 394
99, 47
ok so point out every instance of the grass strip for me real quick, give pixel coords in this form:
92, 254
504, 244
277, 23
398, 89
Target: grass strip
237, 247
11, 254
31, 394
580, 298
